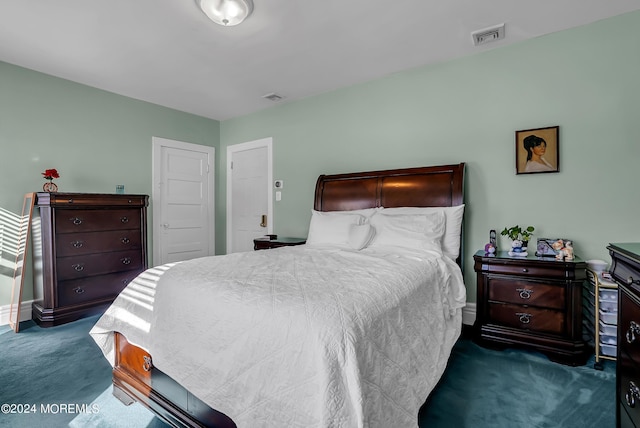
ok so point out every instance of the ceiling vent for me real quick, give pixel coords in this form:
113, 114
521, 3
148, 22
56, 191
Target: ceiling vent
488, 35
273, 97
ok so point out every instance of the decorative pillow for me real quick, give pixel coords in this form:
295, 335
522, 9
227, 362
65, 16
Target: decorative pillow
453, 225
422, 232
332, 227
360, 235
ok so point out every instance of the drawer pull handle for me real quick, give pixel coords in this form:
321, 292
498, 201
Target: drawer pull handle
632, 332
124, 219
525, 270
77, 221
147, 365
631, 281
633, 393
125, 240
524, 293
524, 317
78, 290
78, 267
126, 260
77, 244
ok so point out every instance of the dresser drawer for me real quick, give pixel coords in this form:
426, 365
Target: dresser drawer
629, 384
73, 221
527, 318
629, 325
524, 292
80, 291
98, 242
98, 264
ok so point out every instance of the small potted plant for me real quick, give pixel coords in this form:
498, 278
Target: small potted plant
519, 239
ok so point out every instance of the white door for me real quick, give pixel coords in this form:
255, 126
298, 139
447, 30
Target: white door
183, 204
249, 206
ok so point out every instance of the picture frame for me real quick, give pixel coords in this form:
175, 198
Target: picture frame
546, 247
538, 150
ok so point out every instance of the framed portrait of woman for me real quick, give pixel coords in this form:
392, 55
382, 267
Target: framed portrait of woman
537, 150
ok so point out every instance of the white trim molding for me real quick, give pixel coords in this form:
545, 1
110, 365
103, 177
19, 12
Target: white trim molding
469, 314
25, 312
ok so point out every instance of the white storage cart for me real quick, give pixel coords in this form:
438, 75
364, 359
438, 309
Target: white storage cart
601, 316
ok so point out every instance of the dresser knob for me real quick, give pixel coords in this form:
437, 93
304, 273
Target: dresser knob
126, 260
77, 244
147, 364
77, 221
78, 290
524, 293
524, 317
78, 267
631, 281
632, 332
124, 219
525, 270
633, 393
125, 240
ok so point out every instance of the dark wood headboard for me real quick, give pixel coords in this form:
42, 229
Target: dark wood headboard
431, 186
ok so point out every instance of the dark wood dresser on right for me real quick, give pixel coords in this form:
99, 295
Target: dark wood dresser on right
625, 268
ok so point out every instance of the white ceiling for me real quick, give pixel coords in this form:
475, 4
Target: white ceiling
167, 52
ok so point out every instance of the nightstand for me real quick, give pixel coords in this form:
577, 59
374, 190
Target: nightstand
267, 242
531, 301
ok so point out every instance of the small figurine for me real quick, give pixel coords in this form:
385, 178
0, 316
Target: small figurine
568, 250
490, 249
564, 249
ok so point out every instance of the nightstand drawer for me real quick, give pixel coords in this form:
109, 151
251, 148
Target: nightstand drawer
528, 270
523, 292
527, 318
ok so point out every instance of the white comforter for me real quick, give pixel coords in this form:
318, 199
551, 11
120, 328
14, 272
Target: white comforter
298, 336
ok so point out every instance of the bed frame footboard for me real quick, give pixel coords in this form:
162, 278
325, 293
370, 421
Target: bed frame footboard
136, 379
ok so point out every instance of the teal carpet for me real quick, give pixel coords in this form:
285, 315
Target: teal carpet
61, 378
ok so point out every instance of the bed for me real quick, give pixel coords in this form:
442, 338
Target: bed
353, 329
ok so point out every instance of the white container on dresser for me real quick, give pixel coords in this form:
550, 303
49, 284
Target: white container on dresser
601, 315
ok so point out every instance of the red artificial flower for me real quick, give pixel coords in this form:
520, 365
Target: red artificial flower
50, 174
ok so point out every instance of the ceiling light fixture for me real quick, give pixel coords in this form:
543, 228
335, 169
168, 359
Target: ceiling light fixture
226, 12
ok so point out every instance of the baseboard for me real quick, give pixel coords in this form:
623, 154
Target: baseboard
469, 314
25, 312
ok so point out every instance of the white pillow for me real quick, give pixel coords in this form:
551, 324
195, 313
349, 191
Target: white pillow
331, 228
453, 225
422, 232
360, 235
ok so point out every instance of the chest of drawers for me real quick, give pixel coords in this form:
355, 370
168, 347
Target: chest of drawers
90, 246
533, 302
625, 269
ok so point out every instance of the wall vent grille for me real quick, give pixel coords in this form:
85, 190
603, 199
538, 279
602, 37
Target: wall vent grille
488, 35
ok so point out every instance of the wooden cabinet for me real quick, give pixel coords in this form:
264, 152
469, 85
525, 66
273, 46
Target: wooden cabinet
89, 247
625, 269
275, 242
531, 301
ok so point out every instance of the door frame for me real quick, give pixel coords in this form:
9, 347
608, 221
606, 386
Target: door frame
249, 145
156, 188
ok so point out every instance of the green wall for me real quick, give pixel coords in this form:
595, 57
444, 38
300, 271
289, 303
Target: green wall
585, 80
95, 139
